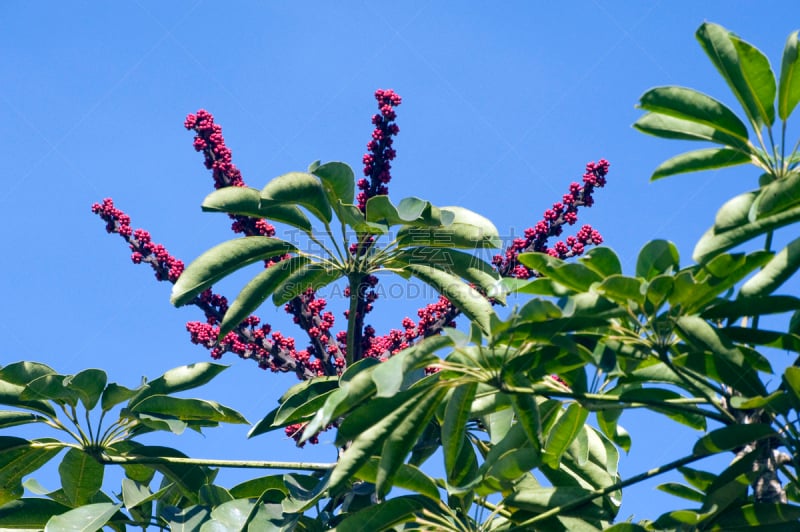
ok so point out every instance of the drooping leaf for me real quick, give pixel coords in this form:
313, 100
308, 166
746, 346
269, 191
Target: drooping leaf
776, 197
187, 409
179, 379
718, 44
88, 384
698, 160
222, 260
407, 477
87, 518
246, 201
338, 181
468, 230
456, 414
681, 490
257, 291
753, 515
19, 457
758, 76
50, 387
602, 260
735, 212
11, 418
81, 476
464, 297
308, 276
789, 86
188, 519
21, 373
387, 515
563, 433
751, 306
115, 394
689, 104
298, 188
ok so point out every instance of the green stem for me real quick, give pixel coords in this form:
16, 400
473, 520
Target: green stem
247, 464
352, 318
525, 525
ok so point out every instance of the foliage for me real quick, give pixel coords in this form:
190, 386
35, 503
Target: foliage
524, 411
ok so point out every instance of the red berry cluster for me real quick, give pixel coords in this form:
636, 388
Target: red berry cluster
552, 224
143, 249
377, 163
295, 431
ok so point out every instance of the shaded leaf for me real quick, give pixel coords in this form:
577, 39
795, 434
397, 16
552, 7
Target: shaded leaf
776, 197
657, 257
563, 433
222, 260
21, 373
29, 513
19, 457
387, 515
246, 201
338, 180
789, 85
308, 276
602, 260
88, 384
187, 409
669, 127
407, 477
81, 476
456, 414
188, 519
731, 437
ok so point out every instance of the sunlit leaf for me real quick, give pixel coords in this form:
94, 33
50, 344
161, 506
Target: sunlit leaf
87, 518
309, 276
669, 127
731, 437
298, 188
179, 379
698, 160
563, 433
246, 201
338, 180
789, 86
657, 257
222, 260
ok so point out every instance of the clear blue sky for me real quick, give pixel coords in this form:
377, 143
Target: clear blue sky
503, 104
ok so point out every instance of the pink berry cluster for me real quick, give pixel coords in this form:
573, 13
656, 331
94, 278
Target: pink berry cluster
143, 249
295, 431
377, 163
552, 225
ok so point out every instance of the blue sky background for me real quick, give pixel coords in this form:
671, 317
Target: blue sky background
503, 104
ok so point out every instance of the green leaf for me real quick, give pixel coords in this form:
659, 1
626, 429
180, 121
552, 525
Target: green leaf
21, 373
695, 421
222, 260
298, 188
468, 230
731, 437
179, 379
185, 519
689, 104
310, 276
698, 160
680, 490
571, 275
187, 478
408, 477
563, 434
88, 384
776, 197
12, 418
19, 457
115, 394
29, 513
87, 518
252, 488
750, 306
211, 495
753, 515
246, 201
456, 414
465, 298
657, 257
718, 44
81, 476
49, 387
789, 85
541, 499
602, 260
10, 395
187, 409
735, 212
388, 514
295, 410
758, 77
669, 127
338, 180
257, 290
465, 265
622, 289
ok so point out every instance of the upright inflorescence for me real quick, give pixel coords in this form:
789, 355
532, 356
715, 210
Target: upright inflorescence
552, 225
377, 162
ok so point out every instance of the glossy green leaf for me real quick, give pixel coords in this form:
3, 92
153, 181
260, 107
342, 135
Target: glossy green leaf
791, 377
657, 257
187, 409
735, 212
563, 433
338, 180
751, 306
88, 384
115, 394
571, 275
188, 478
758, 77
698, 160
622, 289
258, 290
408, 477
776, 197
12, 418
222, 260
254, 487
29, 513
602, 260
689, 104
467, 266
693, 420
731, 437
680, 490
19, 457
387, 515
541, 499
81, 476
526, 410
21, 373
298, 188
468, 230
136, 493
179, 379
380, 209
397, 372
456, 414
310, 276
718, 44
10, 395
669, 127
50, 387
87, 518
211, 495
246, 201
789, 85
188, 519
465, 298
